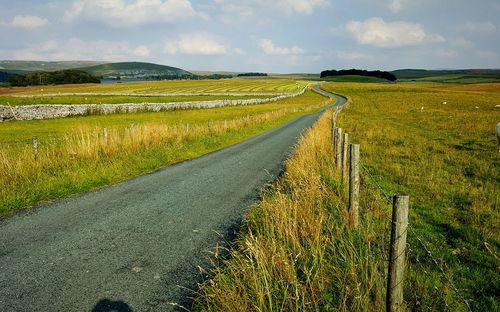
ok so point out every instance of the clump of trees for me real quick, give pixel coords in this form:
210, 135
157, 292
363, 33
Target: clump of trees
69, 76
252, 75
359, 72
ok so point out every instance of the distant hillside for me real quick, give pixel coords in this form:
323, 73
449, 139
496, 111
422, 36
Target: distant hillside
459, 75
67, 76
136, 70
32, 66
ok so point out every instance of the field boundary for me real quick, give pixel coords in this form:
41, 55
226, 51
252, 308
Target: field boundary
48, 111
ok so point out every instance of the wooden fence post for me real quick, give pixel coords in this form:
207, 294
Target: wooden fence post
345, 156
333, 122
338, 148
106, 136
354, 185
35, 147
397, 253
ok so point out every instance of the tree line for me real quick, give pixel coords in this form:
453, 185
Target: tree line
68, 76
359, 72
252, 75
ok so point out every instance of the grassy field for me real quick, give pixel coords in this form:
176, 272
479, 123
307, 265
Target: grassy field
296, 251
458, 78
73, 156
113, 99
235, 85
437, 142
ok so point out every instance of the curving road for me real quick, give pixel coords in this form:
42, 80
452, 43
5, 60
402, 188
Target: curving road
136, 246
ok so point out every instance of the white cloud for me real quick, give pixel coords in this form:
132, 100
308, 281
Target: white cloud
268, 47
478, 27
301, 6
352, 55
238, 51
396, 5
376, 32
248, 7
77, 49
141, 51
28, 21
197, 44
120, 13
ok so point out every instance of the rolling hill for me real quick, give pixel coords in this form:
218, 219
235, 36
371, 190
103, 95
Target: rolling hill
31, 66
135, 70
457, 76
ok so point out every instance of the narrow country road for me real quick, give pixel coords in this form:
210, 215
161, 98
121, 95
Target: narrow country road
137, 245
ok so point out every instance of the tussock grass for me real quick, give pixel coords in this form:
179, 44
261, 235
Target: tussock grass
296, 251
72, 160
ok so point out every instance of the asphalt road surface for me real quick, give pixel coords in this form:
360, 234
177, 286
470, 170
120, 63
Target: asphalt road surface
137, 245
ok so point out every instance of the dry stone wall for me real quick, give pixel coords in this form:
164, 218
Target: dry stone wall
45, 111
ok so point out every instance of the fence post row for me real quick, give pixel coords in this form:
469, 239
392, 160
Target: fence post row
345, 156
397, 253
338, 148
354, 184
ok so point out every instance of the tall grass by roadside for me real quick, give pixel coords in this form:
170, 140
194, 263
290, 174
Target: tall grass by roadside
83, 159
296, 251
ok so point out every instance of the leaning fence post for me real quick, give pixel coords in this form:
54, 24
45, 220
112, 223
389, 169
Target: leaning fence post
345, 155
354, 184
397, 253
35, 147
338, 148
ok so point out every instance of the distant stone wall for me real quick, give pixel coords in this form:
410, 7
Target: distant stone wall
45, 111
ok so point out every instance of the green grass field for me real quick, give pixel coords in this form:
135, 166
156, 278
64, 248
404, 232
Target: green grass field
297, 251
113, 99
234, 85
457, 78
437, 143
73, 156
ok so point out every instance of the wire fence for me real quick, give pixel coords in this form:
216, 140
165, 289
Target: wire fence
385, 194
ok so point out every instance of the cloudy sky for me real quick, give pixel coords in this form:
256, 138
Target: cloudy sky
257, 35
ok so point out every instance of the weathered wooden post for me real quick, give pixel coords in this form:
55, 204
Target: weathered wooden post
345, 156
105, 136
338, 148
397, 253
34, 140
333, 122
498, 135
187, 128
354, 184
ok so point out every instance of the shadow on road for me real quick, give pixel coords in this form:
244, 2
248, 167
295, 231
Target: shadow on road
106, 305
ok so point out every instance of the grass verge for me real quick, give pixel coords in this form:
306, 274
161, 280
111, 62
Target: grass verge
296, 252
